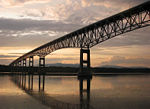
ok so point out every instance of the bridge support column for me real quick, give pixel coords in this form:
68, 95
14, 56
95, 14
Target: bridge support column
19, 70
19, 63
84, 63
84, 93
41, 71
31, 61
20, 74
42, 62
30, 76
24, 62
24, 73
84, 75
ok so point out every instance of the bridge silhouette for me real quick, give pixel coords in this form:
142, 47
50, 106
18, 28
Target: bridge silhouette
91, 35
84, 38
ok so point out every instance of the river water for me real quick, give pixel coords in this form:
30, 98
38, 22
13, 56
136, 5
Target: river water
63, 92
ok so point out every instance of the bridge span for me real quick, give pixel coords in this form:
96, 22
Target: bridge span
91, 35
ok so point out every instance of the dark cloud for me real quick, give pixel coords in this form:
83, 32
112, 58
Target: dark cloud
27, 40
23, 37
40, 25
27, 32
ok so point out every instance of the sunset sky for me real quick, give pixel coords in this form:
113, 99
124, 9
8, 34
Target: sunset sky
27, 24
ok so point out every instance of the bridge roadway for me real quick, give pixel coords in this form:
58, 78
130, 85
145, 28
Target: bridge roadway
91, 35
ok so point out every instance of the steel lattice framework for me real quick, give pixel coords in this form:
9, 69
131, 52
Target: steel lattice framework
93, 34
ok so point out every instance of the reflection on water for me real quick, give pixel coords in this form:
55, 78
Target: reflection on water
49, 101
102, 92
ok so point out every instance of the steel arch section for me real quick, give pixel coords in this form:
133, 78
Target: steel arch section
93, 34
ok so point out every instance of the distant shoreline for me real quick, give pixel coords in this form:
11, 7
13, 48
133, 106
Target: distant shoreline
5, 70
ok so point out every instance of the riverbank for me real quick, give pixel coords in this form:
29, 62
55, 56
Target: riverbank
5, 70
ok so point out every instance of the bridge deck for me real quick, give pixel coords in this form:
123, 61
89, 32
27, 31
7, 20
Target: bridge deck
93, 34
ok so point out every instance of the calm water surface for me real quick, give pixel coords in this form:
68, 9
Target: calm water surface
62, 92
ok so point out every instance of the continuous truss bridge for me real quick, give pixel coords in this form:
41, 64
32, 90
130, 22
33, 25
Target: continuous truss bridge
91, 35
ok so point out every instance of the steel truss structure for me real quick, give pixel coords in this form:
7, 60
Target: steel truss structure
93, 34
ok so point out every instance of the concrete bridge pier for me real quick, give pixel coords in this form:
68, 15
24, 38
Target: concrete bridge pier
31, 61
24, 62
41, 72
21, 73
24, 73
19, 63
42, 61
30, 75
85, 63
